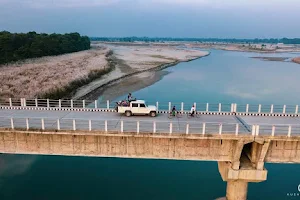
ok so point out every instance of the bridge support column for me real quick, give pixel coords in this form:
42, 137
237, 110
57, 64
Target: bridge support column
238, 179
246, 166
236, 190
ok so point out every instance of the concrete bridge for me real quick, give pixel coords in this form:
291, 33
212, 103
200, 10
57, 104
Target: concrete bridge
240, 142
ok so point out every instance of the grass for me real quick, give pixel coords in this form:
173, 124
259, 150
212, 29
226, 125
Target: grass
54, 76
67, 91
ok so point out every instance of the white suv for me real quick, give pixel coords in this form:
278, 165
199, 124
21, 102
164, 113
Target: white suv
137, 107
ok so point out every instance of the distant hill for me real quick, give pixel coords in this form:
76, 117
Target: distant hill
169, 39
19, 46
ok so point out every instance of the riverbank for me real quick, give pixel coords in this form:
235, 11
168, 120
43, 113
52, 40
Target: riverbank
78, 74
296, 60
258, 48
53, 76
135, 59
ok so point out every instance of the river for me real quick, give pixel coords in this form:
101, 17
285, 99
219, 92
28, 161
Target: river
225, 77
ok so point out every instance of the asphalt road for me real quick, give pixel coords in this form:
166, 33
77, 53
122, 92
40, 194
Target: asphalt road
114, 121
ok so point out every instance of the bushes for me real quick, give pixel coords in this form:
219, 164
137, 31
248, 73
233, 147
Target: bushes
68, 90
19, 46
71, 88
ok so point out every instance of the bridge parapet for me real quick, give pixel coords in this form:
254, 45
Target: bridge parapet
148, 126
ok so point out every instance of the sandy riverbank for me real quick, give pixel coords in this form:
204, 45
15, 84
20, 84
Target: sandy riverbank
296, 60
259, 48
31, 78
134, 59
37, 77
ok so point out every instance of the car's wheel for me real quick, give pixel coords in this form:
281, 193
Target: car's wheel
128, 113
152, 114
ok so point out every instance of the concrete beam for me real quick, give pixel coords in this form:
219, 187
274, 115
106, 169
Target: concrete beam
247, 174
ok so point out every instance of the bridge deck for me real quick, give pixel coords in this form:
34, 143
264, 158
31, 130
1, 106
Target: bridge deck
212, 122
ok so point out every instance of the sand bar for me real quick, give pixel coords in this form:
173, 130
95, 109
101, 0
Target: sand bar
133, 59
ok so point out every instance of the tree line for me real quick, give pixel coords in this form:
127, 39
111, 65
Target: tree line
167, 39
19, 46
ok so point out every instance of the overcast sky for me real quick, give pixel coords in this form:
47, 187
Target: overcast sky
164, 18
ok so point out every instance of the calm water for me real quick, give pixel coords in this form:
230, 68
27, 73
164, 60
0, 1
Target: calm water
229, 77
221, 77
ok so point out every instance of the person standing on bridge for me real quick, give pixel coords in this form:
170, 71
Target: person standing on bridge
174, 111
193, 110
130, 98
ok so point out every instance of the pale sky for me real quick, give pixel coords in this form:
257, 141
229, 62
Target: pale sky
161, 18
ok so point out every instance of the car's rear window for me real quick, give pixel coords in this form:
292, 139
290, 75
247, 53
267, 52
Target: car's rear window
135, 105
142, 105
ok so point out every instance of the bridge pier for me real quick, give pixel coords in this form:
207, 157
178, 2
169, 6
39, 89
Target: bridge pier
237, 180
247, 166
237, 190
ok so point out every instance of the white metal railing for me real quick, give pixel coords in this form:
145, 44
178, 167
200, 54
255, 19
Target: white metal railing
144, 126
200, 107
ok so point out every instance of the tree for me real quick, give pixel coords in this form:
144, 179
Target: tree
18, 46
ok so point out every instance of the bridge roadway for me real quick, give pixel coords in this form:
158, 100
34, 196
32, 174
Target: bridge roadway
114, 121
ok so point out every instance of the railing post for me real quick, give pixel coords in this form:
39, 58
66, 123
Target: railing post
273, 130
171, 127
21, 100
96, 103
296, 110
48, 103
289, 131
235, 107
10, 102
203, 128
27, 124
138, 127
83, 103
72, 103
157, 106
236, 129
272, 109
207, 107
169, 106
122, 126
259, 108
284, 108
257, 130
74, 125
220, 129
154, 127
231, 108
220, 107
58, 124
105, 126
36, 103
107, 104
187, 128
195, 105
12, 123
247, 108
43, 124
24, 102
181, 107
59, 103
253, 130
90, 125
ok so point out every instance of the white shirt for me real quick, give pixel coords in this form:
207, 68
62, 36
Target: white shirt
192, 109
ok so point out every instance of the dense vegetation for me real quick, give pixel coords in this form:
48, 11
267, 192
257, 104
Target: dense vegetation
19, 46
161, 39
